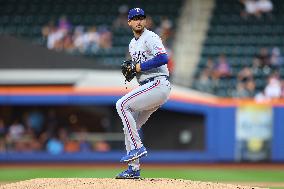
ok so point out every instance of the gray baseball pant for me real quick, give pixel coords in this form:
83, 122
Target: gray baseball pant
136, 107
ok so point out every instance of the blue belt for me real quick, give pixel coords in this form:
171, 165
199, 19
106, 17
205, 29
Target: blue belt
152, 79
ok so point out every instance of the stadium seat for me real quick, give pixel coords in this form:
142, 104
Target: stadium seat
24, 18
240, 40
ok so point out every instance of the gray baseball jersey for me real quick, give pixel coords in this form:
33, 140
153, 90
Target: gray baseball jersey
137, 106
146, 47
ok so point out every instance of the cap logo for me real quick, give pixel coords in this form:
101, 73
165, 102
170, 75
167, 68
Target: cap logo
137, 9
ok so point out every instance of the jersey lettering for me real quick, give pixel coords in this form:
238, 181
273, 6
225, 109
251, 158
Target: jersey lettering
139, 56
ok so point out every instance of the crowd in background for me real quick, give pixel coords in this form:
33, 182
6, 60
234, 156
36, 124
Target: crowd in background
259, 77
36, 130
62, 35
266, 64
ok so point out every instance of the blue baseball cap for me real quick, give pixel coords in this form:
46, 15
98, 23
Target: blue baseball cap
135, 12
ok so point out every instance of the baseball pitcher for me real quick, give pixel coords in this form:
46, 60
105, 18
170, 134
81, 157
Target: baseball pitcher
149, 65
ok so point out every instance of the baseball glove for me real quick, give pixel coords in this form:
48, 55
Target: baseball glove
128, 69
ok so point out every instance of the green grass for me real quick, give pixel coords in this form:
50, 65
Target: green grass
219, 175
8, 174
11, 174
215, 175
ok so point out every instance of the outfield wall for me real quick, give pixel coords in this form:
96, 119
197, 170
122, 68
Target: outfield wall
220, 127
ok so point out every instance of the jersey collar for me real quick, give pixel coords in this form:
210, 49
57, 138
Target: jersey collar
136, 39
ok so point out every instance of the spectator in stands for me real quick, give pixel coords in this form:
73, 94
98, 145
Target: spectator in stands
256, 8
210, 67
62, 39
120, 21
105, 41
16, 130
263, 57
63, 135
256, 69
101, 146
203, 83
222, 69
68, 44
15, 136
3, 129
2, 135
79, 40
47, 29
165, 31
54, 146
85, 145
54, 39
276, 59
55, 137
250, 8
240, 91
43, 138
273, 88
64, 24
86, 42
59, 38
30, 142
92, 40
34, 120
245, 74
71, 146
260, 97
264, 7
282, 89
250, 87
150, 25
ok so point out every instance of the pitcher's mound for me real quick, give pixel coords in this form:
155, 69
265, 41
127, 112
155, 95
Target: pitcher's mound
109, 183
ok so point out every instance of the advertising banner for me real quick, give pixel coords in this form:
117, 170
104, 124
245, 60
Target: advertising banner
253, 132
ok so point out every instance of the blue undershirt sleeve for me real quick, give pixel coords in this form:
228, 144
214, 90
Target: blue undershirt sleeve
155, 62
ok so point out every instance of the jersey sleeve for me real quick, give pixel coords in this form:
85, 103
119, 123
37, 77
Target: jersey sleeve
155, 45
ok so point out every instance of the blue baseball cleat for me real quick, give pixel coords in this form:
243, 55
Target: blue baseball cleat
134, 154
129, 174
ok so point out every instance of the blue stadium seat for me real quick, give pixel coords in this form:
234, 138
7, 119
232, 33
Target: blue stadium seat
240, 40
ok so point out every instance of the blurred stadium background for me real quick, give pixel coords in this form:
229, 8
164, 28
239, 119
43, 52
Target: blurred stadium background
60, 78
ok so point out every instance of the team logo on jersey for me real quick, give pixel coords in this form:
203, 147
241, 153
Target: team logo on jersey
139, 56
159, 50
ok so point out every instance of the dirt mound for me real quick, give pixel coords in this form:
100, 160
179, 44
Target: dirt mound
108, 183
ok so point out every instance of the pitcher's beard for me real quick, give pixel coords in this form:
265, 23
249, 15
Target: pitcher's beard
138, 31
